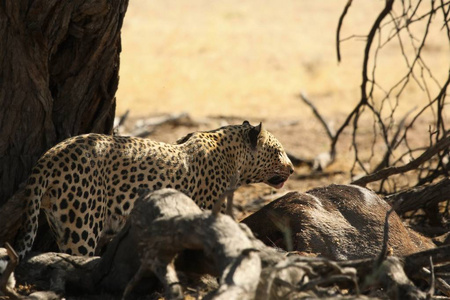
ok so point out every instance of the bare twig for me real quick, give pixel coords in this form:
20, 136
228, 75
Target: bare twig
325, 159
394, 142
298, 161
420, 196
338, 31
439, 283
432, 279
415, 261
325, 125
384, 249
387, 9
123, 119
382, 174
383, 108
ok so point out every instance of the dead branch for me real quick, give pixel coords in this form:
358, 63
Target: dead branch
324, 159
376, 25
391, 276
394, 143
414, 164
58, 272
166, 234
338, 31
414, 262
120, 121
385, 249
383, 109
325, 125
318, 174
298, 161
421, 196
439, 283
363, 101
165, 223
411, 264
145, 127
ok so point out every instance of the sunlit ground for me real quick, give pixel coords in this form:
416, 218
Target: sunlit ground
252, 58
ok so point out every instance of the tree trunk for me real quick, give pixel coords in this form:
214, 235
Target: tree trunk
59, 63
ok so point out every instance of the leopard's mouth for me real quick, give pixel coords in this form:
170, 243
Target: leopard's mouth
277, 181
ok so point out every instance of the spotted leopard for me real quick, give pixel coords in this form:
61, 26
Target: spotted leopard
86, 179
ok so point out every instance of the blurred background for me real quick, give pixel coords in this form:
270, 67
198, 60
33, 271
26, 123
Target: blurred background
251, 58
223, 62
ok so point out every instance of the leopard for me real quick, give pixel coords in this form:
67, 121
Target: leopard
84, 180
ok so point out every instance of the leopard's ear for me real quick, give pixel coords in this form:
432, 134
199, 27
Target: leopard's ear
254, 134
185, 139
246, 123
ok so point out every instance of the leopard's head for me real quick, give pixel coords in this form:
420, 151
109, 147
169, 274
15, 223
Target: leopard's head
265, 159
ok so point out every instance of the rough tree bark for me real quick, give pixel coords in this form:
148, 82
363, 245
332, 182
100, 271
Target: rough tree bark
165, 225
59, 63
58, 77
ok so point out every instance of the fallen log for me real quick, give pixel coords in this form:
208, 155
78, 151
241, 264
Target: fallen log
166, 234
162, 226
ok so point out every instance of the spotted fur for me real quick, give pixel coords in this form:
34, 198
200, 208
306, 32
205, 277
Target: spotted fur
85, 180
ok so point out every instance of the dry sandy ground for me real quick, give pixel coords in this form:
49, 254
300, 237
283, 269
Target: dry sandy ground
251, 59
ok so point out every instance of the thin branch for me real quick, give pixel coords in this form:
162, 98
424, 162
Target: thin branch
387, 9
394, 142
338, 31
325, 125
384, 249
420, 196
441, 145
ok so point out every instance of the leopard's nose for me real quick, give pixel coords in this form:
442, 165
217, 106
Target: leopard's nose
291, 169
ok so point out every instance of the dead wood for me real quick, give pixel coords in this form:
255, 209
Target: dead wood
299, 161
166, 234
182, 119
57, 272
146, 127
421, 196
120, 121
414, 265
152, 246
322, 160
330, 132
391, 276
443, 144
338, 30
314, 175
161, 226
385, 162
388, 128
166, 222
